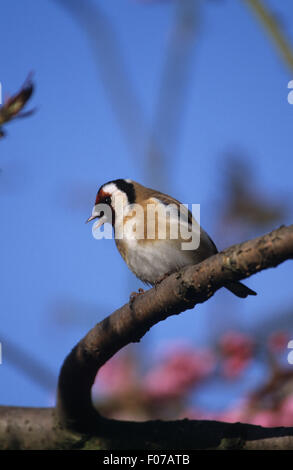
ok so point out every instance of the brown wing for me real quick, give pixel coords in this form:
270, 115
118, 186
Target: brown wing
168, 200
207, 246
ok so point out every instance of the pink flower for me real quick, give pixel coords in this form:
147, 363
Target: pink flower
116, 377
182, 368
234, 343
232, 415
233, 367
237, 350
286, 412
278, 341
265, 418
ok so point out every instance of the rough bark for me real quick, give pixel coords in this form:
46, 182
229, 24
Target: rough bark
39, 429
76, 424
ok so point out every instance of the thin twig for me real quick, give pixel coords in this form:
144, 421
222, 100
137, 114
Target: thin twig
272, 27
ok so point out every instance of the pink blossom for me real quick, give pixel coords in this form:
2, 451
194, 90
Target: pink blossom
233, 367
265, 418
286, 412
235, 343
278, 341
282, 416
181, 369
237, 350
116, 377
232, 415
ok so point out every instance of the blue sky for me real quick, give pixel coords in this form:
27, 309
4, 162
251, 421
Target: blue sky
53, 163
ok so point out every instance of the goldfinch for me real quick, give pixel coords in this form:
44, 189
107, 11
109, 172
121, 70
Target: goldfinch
155, 234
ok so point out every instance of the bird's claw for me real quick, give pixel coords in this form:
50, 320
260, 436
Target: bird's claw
161, 279
134, 295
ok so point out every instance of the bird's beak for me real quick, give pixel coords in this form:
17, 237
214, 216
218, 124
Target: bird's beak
92, 217
101, 222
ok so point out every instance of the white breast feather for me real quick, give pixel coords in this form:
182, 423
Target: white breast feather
151, 260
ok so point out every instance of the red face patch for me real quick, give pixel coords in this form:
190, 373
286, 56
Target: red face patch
101, 196
101, 199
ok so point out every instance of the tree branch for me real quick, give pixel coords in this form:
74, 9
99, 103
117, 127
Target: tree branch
76, 424
180, 291
274, 29
38, 428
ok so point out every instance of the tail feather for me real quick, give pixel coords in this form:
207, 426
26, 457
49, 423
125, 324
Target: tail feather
240, 289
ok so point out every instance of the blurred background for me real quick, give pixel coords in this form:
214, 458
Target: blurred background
187, 96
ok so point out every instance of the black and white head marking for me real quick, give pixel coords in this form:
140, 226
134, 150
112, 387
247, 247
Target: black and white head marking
123, 185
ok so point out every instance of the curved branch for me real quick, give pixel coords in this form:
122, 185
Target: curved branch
45, 428
180, 291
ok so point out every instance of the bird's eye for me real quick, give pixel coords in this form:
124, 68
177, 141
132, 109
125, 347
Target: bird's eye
107, 200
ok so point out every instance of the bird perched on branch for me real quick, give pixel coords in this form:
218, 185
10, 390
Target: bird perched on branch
155, 234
